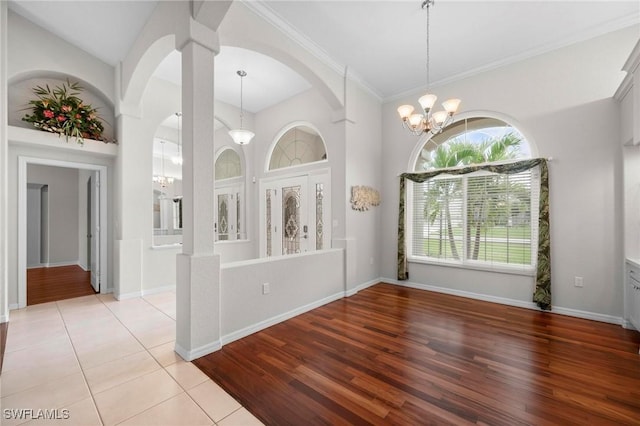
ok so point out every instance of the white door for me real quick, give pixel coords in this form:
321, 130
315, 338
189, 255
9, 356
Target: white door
93, 197
293, 212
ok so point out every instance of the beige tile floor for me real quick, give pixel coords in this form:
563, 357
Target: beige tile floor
98, 361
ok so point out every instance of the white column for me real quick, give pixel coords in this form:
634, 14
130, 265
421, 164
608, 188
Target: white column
198, 268
131, 180
4, 144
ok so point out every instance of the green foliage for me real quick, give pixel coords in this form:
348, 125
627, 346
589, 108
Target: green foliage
494, 201
60, 110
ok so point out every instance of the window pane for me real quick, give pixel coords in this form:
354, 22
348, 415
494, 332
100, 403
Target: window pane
499, 218
438, 219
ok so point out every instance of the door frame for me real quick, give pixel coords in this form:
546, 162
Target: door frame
23, 163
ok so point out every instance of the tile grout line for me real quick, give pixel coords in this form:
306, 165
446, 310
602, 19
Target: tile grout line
75, 352
151, 355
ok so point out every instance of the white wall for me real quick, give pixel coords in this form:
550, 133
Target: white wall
63, 210
363, 158
562, 100
296, 283
4, 264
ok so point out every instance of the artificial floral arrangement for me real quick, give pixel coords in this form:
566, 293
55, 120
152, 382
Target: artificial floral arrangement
61, 111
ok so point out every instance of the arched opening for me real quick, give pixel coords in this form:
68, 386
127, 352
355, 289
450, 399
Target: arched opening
230, 196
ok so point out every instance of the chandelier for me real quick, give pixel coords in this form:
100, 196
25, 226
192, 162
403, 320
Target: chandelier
177, 159
162, 179
241, 136
429, 121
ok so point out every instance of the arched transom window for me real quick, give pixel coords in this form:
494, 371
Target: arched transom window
298, 145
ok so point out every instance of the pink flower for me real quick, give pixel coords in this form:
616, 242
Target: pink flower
66, 108
48, 113
61, 118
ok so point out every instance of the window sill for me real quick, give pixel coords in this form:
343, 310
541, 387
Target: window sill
530, 272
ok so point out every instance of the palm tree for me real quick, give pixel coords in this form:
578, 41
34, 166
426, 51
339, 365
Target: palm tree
439, 195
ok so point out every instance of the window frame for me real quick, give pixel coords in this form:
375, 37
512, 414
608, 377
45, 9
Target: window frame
464, 262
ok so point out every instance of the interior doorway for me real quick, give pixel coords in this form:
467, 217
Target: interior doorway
43, 231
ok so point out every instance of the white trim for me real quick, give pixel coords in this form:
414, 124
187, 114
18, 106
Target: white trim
607, 27
236, 335
594, 316
627, 324
510, 302
4, 318
125, 296
157, 290
362, 286
56, 264
23, 162
13, 306
197, 352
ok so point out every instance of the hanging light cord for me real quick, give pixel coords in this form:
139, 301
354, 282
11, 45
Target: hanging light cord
242, 74
426, 5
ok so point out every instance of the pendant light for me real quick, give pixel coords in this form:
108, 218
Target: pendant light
241, 136
428, 122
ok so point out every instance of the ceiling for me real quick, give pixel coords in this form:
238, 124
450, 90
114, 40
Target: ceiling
382, 42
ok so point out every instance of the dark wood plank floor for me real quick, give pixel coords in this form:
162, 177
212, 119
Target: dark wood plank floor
57, 283
4, 328
394, 355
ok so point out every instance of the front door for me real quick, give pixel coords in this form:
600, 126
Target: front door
293, 211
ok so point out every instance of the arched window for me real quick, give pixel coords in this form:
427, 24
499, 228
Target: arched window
299, 145
480, 219
228, 165
473, 141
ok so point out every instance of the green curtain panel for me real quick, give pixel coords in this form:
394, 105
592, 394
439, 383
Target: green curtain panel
542, 293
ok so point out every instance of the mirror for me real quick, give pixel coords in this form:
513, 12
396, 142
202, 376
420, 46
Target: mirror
229, 196
167, 182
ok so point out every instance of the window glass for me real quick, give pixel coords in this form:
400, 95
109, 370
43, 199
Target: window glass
483, 219
298, 145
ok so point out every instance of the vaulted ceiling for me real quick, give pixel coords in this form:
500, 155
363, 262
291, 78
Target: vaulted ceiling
383, 43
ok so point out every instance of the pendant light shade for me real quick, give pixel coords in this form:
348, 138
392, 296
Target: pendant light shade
241, 136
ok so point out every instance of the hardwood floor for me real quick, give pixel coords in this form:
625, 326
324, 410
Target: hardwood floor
394, 355
57, 283
4, 327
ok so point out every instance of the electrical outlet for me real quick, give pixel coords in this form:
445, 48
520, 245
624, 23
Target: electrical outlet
266, 288
578, 282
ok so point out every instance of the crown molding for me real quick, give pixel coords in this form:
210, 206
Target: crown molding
262, 9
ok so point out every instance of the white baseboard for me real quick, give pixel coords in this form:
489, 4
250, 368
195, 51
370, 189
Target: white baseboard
163, 289
587, 315
125, 296
361, 287
54, 264
84, 267
236, 335
190, 355
4, 318
13, 306
462, 293
510, 302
